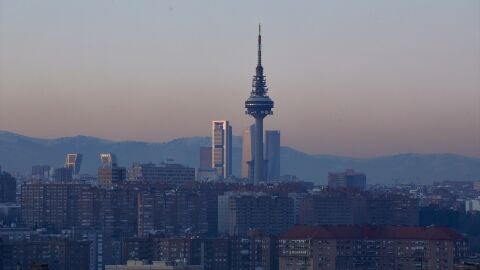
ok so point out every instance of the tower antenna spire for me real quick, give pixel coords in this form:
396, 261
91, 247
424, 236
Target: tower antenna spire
259, 45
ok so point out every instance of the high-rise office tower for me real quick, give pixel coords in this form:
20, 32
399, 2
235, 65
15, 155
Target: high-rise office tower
248, 149
108, 160
272, 141
73, 161
109, 173
222, 148
259, 105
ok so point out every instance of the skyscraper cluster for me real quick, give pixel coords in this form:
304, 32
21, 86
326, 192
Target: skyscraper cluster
156, 216
254, 167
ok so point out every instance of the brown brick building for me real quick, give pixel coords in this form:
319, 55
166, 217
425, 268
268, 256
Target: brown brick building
368, 247
59, 253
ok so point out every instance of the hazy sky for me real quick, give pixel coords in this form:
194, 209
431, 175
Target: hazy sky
358, 78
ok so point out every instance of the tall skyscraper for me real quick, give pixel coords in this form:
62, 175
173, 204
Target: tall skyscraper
248, 149
73, 161
272, 141
108, 160
109, 173
222, 148
259, 105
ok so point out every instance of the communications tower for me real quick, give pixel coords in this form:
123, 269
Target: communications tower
259, 105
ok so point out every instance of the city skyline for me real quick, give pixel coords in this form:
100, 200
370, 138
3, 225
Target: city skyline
408, 84
128, 139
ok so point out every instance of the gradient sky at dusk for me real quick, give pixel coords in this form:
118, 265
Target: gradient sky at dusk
358, 78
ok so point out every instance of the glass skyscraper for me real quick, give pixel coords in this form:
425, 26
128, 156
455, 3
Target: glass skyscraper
222, 148
272, 143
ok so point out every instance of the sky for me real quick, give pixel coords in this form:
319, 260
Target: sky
353, 78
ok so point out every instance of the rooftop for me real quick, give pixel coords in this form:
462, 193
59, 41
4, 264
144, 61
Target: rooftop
370, 232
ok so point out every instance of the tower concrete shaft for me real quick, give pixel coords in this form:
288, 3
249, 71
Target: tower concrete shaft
258, 170
259, 106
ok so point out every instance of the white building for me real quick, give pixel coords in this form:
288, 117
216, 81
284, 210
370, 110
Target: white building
472, 205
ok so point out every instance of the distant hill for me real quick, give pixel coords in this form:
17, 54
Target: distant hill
18, 153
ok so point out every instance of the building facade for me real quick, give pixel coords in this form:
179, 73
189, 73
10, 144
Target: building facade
272, 147
8, 188
248, 140
349, 179
240, 212
62, 175
175, 174
365, 247
205, 158
41, 172
57, 252
74, 162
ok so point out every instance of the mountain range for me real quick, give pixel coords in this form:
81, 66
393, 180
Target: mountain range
18, 153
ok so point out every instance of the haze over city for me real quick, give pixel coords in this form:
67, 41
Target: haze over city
347, 78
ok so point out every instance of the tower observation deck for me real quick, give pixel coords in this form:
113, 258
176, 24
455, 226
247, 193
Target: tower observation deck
259, 105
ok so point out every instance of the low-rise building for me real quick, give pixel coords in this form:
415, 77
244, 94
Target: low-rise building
472, 205
156, 265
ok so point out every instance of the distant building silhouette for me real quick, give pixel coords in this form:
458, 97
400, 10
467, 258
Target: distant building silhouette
332, 207
222, 148
63, 174
205, 157
41, 172
205, 170
8, 188
109, 173
74, 162
108, 176
349, 179
108, 160
272, 142
248, 147
165, 173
